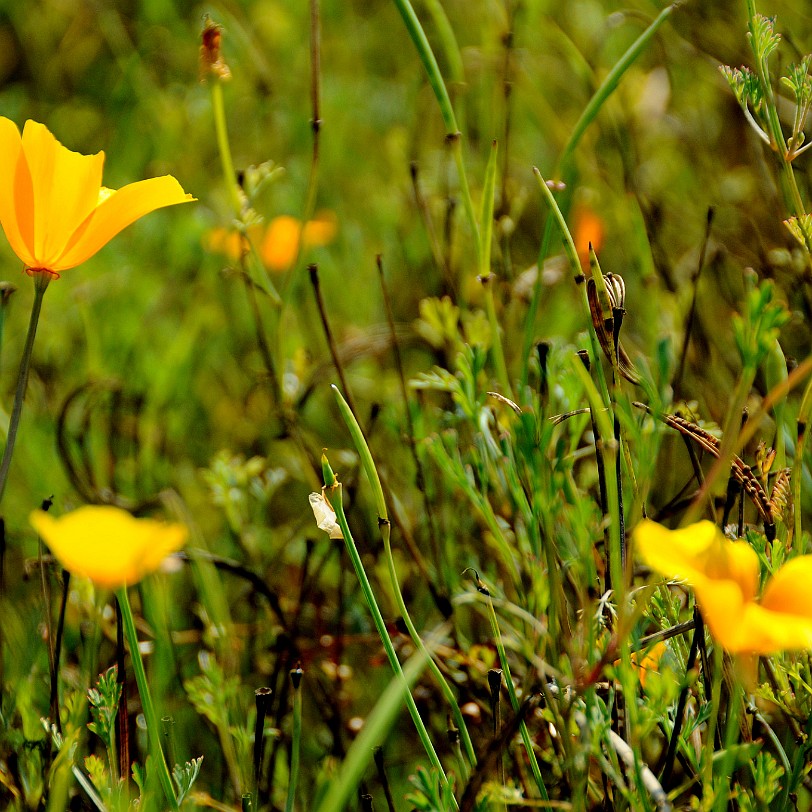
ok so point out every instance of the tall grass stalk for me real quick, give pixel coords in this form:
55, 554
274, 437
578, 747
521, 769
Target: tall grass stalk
333, 493
564, 166
453, 135
371, 472
485, 275
150, 716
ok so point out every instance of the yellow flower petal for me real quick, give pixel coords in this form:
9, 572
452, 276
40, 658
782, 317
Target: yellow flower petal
762, 631
278, 250
116, 212
321, 230
698, 552
723, 606
15, 186
65, 187
53, 208
724, 576
107, 544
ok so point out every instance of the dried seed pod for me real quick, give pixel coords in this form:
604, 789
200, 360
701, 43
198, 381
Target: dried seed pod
615, 289
781, 494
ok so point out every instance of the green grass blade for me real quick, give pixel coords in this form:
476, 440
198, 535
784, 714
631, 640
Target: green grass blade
611, 82
375, 729
486, 213
429, 61
364, 453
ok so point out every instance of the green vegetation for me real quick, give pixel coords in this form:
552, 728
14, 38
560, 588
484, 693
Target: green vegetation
554, 277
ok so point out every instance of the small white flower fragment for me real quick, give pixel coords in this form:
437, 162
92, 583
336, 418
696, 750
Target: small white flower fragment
325, 516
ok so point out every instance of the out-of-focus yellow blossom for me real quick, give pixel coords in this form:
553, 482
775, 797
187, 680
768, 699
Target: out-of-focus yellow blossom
107, 544
725, 575
644, 663
53, 208
277, 244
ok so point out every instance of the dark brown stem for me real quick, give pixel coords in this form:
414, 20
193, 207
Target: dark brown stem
328, 334
668, 763
689, 322
262, 699
380, 767
122, 717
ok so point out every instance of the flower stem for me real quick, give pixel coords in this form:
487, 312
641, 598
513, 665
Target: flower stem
230, 178
333, 493
153, 730
41, 280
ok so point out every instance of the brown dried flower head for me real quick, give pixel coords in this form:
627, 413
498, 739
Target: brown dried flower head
211, 60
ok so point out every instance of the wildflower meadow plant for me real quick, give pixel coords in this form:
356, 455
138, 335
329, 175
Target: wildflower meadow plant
56, 214
724, 575
114, 550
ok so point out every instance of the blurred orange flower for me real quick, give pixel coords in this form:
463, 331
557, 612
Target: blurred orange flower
724, 575
644, 663
53, 208
588, 228
278, 244
107, 544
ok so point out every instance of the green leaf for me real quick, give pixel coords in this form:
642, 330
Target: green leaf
745, 86
186, 776
104, 699
762, 36
376, 727
799, 81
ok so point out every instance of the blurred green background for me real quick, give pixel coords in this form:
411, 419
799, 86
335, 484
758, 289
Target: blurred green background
149, 351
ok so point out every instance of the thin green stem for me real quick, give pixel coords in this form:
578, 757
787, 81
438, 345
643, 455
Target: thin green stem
223, 146
610, 83
383, 521
333, 492
734, 706
445, 688
804, 414
41, 280
716, 701
565, 167
453, 135
153, 728
578, 276
421, 43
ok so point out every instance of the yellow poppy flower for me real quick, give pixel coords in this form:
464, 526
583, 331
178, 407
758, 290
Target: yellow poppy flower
53, 208
107, 544
724, 575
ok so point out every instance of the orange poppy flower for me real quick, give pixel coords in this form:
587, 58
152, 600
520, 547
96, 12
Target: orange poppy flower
277, 244
53, 208
588, 229
725, 575
281, 242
